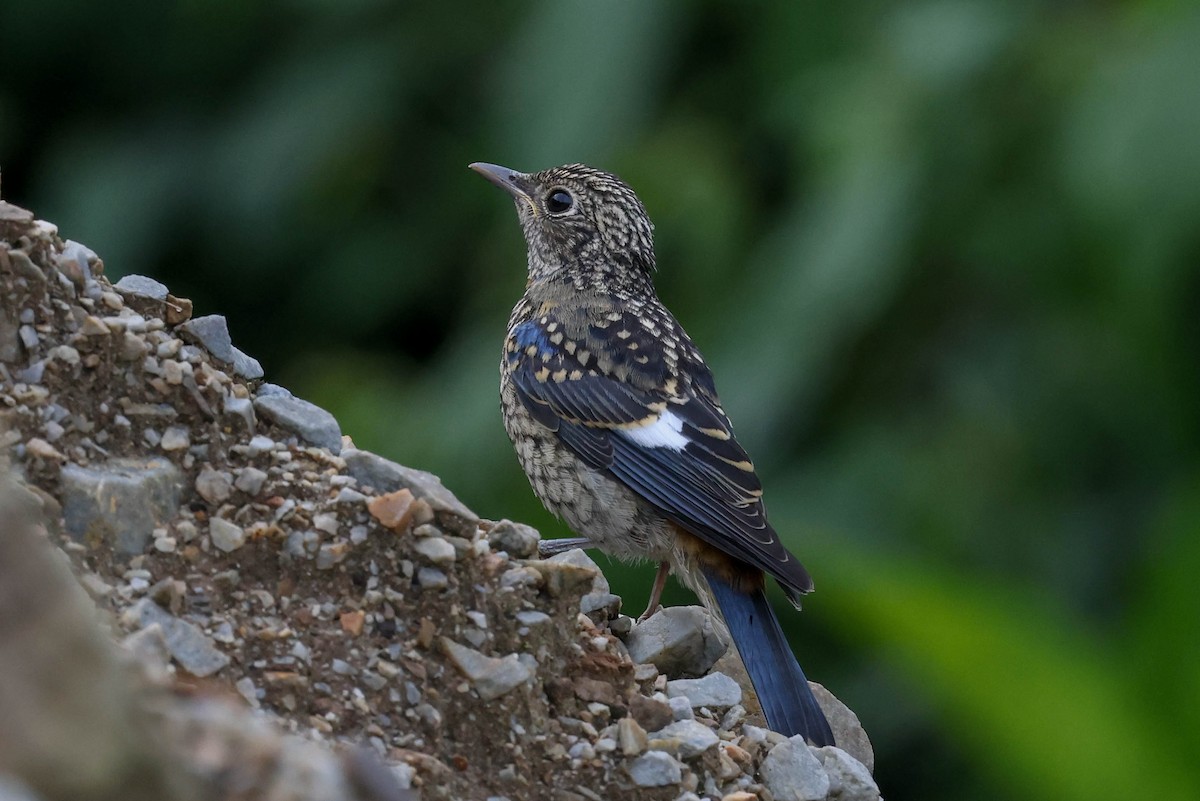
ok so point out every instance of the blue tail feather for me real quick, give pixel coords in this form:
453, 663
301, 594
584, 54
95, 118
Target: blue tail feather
782, 688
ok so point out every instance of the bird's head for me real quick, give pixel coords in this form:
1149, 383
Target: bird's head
576, 215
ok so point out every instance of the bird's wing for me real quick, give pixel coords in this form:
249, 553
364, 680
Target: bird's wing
622, 410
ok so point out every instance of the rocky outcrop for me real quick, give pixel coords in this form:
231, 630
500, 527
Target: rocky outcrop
291, 616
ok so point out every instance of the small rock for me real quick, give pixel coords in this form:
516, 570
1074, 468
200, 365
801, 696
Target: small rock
194, 652
245, 366
393, 510
578, 557
325, 522
651, 713
258, 445
225, 535
516, 539
41, 449
241, 408
352, 622
178, 310
120, 502
331, 553
250, 480
93, 326
349, 497
848, 732
143, 286
694, 738
791, 771
655, 769
430, 578
566, 578
631, 737
214, 486
307, 420
532, 617
491, 677
175, 438
849, 779
245, 687
149, 645
211, 332
679, 640
681, 707
714, 690
602, 606
436, 550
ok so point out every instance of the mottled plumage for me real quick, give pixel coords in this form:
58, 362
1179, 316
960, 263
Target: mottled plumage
616, 421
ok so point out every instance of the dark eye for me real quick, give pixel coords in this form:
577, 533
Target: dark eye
559, 201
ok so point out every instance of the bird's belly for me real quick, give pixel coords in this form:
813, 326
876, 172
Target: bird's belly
593, 503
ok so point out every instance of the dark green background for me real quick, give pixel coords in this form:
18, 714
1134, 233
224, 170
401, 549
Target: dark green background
942, 258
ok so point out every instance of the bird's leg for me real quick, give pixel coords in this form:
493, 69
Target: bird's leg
561, 545
660, 581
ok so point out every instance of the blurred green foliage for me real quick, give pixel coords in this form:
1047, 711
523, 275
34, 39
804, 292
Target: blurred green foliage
942, 257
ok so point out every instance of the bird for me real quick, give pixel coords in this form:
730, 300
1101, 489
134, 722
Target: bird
616, 421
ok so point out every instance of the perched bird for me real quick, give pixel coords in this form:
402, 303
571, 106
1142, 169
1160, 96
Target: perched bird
617, 424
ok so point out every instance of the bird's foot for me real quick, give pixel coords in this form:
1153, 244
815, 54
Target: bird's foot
650, 610
562, 545
660, 581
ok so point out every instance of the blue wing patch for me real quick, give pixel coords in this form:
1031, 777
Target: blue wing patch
530, 333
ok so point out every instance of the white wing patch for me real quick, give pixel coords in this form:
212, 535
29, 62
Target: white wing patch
665, 432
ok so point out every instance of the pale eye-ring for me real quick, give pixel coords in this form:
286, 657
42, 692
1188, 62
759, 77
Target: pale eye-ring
559, 201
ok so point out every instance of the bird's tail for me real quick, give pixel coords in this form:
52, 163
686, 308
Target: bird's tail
783, 691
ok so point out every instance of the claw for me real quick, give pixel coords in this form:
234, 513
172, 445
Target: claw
555, 547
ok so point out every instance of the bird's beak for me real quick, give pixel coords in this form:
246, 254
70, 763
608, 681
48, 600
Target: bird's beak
511, 181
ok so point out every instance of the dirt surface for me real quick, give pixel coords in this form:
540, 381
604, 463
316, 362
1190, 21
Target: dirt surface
324, 591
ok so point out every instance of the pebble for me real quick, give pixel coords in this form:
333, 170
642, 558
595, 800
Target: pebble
331, 553
848, 732
792, 771
681, 707
713, 690
243, 408
849, 779
307, 420
436, 550
210, 332
225, 535
214, 486
43, 450
631, 737
245, 687
430, 578
656, 769
120, 502
679, 640
175, 438
194, 652
259, 444
490, 676
692, 738
349, 497
141, 285
250, 480
516, 539
393, 510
